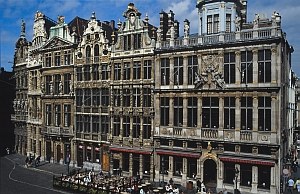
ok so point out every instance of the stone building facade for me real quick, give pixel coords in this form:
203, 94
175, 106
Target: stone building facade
154, 104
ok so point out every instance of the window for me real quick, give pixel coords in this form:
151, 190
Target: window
210, 112
246, 113
264, 176
146, 97
228, 23
48, 81
79, 73
86, 123
104, 72
116, 124
117, 71
126, 126
126, 97
213, 24
57, 82
164, 164
88, 54
164, 111
48, 59
147, 69
191, 167
95, 72
246, 67
67, 57
229, 113
57, 59
79, 97
246, 175
95, 124
87, 97
137, 41
146, 128
105, 120
136, 97
177, 167
127, 42
136, 127
57, 115
126, 70
264, 113
87, 73
229, 68
178, 71
264, 66
96, 96
67, 81
117, 97
125, 161
96, 53
192, 112
192, 69
48, 114
137, 70
178, 111
229, 172
79, 123
165, 71
67, 115
104, 97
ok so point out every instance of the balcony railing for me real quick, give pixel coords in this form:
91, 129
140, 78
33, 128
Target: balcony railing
57, 131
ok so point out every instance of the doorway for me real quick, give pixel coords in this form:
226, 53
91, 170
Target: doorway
210, 172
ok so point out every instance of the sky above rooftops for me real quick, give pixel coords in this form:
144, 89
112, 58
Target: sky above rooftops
13, 11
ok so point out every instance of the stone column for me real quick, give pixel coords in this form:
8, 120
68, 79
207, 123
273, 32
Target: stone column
157, 167
170, 167
199, 112
29, 140
238, 67
130, 164
185, 103
171, 111
221, 174
141, 170
185, 71
237, 118
274, 64
255, 66
171, 78
239, 177
73, 153
52, 151
273, 180
254, 179
184, 170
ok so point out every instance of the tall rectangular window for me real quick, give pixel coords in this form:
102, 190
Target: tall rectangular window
126, 71
104, 97
228, 23
48, 57
165, 71
126, 126
86, 123
117, 97
136, 127
213, 24
178, 71
229, 68
57, 81
79, 123
147, 69
96, 97
136, 97
164, 111
246, 67
95, 72
67, 57
146, 127
264, 66
48, 82
67, 82
87, 73
105, 120
127, 42
126, 97
210, 112
192, 112
95, 124
229, 113
246, 113
79, 73
136, 70
209, 24
87, 97
137, 41
116, 125
104, 72
264, 113
48, 115
178, 111
57, 58
146, 97
216, 23
117, 71
67, 115
192, 69
79, 97
57, 114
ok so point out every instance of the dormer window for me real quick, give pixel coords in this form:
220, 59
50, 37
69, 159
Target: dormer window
213, 24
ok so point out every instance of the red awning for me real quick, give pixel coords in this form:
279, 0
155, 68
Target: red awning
247, 161
123, 149
179, 153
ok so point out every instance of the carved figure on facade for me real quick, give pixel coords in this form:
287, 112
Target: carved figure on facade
237, 22
186, 28
60, 87
256, 20
42, 87
38, 14
51, 87
218, 79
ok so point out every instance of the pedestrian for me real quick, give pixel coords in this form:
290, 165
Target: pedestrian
26, 161
297, 184
290, 185
199, 183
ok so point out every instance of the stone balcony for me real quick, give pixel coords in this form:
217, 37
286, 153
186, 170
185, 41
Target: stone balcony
215, 134
57, 131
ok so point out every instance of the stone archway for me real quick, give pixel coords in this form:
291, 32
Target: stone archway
209, 172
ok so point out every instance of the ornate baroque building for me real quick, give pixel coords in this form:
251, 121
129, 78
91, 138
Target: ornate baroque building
211, 105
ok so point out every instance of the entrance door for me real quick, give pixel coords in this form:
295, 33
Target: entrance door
48, 151
58, 153
210, 172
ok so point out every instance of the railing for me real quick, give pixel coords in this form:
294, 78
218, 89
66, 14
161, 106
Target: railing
246, 135
209, 133
56, 131
211, 39
177, 131
264, 33
247, 35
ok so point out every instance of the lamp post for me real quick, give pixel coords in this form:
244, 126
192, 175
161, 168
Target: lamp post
236, 191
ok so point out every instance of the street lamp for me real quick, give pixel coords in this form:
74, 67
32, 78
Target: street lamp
236, 191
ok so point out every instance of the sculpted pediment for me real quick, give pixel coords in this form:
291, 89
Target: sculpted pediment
56, 42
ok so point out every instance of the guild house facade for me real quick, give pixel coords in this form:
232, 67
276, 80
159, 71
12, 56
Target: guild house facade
215, 105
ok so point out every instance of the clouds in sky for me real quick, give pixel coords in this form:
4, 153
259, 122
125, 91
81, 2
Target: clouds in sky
13, 11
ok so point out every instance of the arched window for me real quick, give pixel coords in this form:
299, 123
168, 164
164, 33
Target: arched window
88, 54
96, 53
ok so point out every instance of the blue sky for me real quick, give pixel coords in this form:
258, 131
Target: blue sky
13, 11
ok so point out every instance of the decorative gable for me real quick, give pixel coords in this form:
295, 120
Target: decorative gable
56, 43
